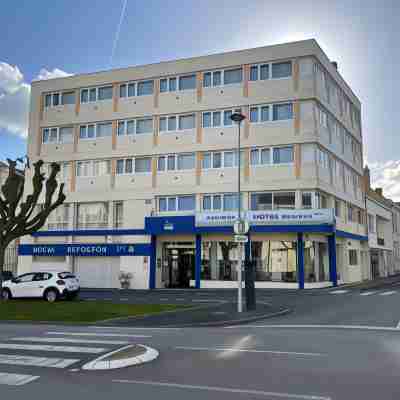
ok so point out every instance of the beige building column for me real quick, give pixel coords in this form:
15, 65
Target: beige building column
115, 97
156, 92
246, 76
156, 126
77, 102
199, 86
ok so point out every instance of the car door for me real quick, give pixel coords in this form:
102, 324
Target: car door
22, 285
39, 284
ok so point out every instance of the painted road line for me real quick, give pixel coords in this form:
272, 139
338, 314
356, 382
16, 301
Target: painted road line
280, 395
67, 340
124, 299
357, 327
95, 334
340, 291
241, 350
44, 347
49, 362
16, 379
390, 292
208, 301
368, 293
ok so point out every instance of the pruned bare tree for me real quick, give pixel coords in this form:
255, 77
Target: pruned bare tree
19, 218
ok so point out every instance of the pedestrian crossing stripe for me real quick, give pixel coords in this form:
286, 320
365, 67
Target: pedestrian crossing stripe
16, 379
68, 340
63, 349
340, 291
50, 362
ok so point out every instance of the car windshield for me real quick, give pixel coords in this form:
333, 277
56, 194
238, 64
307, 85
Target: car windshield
65, 275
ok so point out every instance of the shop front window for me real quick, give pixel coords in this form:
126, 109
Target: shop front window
316, 262
275, 260
219, 260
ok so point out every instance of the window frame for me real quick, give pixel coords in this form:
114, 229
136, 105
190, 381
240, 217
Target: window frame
92, 168
135, 83
176, 117
133, 160
58, 128
175, 199
222, 81
176, 156
259, 65
222, 153
97, 93
60, 97
95, 124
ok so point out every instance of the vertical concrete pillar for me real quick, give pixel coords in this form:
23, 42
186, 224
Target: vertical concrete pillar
300, 259
197, 264
332, 259
153, 262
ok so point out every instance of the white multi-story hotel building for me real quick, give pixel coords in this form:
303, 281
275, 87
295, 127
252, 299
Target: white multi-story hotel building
149, 161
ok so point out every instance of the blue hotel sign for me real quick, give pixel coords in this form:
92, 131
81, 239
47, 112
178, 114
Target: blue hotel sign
85, 250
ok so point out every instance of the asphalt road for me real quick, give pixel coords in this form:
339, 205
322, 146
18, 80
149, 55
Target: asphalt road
289, 357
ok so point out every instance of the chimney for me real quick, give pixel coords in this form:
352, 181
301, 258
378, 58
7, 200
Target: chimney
334, 63
379, 191
366, 179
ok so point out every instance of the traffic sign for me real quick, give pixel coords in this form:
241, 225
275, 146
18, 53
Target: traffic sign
241, 227
240, 239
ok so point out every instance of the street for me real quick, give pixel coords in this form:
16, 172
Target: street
355, 354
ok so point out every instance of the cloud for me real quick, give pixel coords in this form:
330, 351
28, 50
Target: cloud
387, 176
56, 73
14, 97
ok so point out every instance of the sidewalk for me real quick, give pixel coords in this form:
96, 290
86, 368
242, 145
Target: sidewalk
374, 284
205, 316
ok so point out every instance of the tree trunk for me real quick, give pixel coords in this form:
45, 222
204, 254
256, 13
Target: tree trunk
2, 256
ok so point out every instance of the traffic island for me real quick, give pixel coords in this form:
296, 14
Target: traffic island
127, 356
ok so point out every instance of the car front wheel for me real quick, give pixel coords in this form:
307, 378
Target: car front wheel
51, 295
6, 294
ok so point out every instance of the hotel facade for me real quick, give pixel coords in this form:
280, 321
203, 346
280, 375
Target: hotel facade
148, 157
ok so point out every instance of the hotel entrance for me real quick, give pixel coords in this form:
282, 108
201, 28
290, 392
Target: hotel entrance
178, 264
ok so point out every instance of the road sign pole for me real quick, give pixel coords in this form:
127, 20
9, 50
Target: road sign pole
240, 301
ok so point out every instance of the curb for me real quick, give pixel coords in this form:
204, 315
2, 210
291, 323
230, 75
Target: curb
148, 355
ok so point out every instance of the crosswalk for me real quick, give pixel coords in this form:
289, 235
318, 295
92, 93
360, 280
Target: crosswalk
23, 359
365, 293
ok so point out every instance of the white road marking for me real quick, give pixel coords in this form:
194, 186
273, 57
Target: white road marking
340, 291
90, 299
225, 389
50, 362
98, 334
44, 347
390, 292
368, 293
163, 299
398, 325
16, 379
66, 340
124, 299
208, 301
358, 327
233, 349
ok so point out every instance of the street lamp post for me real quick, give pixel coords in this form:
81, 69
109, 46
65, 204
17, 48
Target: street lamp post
238, 118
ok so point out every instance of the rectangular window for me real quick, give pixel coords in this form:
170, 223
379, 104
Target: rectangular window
284, 201
282, 111
143, 165
118, 214
84, 169
105, 93
66, 135
207, 79
306, 200
104, 129
264, 113
56, 99
216, 118
186, 203
186, 161
217, 203
47, 100
172, 84
144, 126
172, 123
254, 114
206, 162
46, 135
92, 215
283, 155
254, 157
207, 203
338, 208
163, 124
120, 167
217, 78
130, 127
145, 88
206, 120
281, 70
68, 98
171, 163
264, 72
162, 204
261, 201
172, 204
229, 159
122, 90
227, 117
163, 85
121, 128
217, 160
187, 82
161, 163
230, 202
254, 73
84, 96
92, 94
131, 89
353, 257
186, 122
232, 76
101, 167
129, 166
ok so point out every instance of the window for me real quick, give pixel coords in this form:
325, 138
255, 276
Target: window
92, 131
284, 200
186, 122
281, 70
353, 257
92, 168
167, 85
56, 99
283, 155
260, 156
213, 78
167, 123
161, 163
306, 200
232, 76
136, 165
58, 135
118, 214
68, 98
230, 202
187, 82
323, 118
84, 169
214, 118
96, 94
259, 72
144, 125
259, 114
92, 215
59, 218
225, 159
261, 201
179, 203
101, 167
104, 129
371, 223
145, 88
282, 111
143, 165
338, 208
186, 161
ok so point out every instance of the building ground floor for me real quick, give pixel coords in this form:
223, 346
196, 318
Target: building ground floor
183, 252
382, 263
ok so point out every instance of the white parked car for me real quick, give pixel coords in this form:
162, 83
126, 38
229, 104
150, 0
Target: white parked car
49, 285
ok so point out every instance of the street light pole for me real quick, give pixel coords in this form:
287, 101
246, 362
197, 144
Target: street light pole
238, 118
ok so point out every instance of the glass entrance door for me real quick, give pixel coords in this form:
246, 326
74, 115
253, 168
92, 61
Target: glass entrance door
178, 264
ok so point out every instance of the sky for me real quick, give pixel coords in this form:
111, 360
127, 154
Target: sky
44, 39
